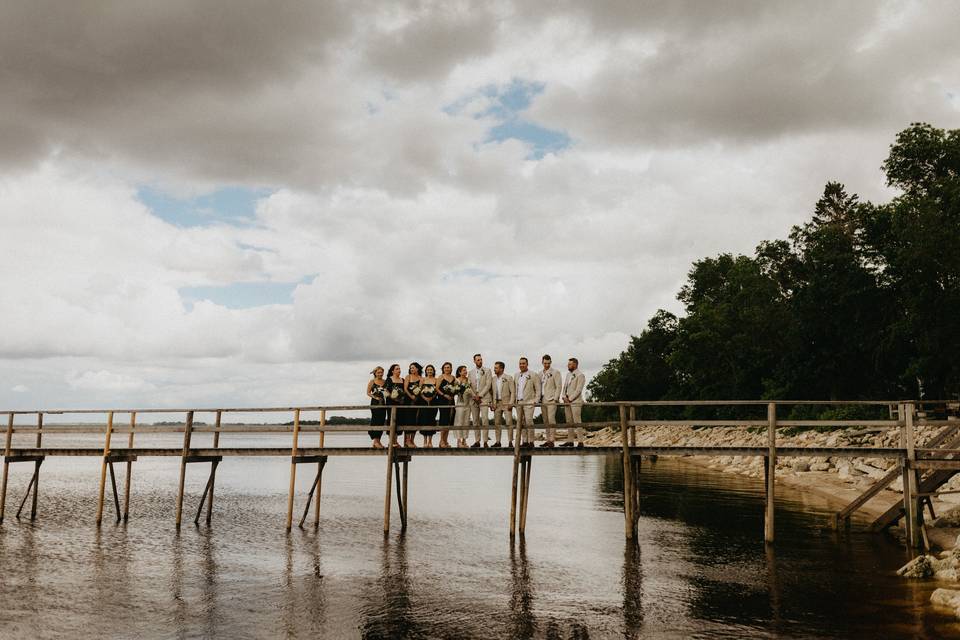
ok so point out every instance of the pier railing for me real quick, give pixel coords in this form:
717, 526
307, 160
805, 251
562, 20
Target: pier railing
941, 456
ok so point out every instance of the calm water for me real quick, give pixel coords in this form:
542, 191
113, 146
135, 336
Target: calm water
700, 569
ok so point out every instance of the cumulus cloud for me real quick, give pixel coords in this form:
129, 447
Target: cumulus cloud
390, 186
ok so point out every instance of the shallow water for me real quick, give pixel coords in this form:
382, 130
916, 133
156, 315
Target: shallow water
700, 569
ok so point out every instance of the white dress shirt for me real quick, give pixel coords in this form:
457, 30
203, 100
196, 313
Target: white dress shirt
499, 383
521, 383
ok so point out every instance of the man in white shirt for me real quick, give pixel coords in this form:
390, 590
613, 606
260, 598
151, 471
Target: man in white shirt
551, 383
504, 396
528, 394
573, 401
482, 383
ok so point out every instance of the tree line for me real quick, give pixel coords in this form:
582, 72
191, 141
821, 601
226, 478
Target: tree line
861, 301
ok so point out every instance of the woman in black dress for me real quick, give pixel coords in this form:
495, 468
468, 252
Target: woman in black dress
411, 388
378, 407
393, 390
445, 396
428, 398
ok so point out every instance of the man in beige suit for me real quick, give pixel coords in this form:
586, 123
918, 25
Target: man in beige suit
527, 384
481, 382
551, 384
573, 400
504, 397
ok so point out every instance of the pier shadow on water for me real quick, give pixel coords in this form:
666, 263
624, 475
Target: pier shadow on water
698, 569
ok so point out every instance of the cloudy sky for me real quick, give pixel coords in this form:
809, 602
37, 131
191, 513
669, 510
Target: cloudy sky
249, 203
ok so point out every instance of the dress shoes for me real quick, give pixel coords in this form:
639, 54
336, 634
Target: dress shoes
567, 444
579, 445
547, 445
496, 445
475, 445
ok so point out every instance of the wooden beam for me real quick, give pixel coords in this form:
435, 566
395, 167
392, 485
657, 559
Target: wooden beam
627, 481
293, 467
392, 443
768, 528
187, 431
8, 442
129, 472
320, 465
103, 467
516, 472
213, 468
36, 469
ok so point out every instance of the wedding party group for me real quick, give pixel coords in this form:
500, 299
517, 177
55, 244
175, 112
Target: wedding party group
428, 402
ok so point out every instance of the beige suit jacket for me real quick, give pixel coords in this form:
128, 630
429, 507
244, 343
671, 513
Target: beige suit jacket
552, 385
508, 390
574, 388
482, 389
531, 390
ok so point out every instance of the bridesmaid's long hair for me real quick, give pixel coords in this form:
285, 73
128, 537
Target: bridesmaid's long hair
430, 367
375, 369
416, 365
390, 370
462, 367
445, 365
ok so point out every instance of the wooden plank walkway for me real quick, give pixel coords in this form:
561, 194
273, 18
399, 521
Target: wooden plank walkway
908, 460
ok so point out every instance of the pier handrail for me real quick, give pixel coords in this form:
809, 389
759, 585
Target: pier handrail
904, 415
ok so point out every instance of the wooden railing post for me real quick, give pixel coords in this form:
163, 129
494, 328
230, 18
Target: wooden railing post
391, 446
214, 465
320, 465
36, 468
771, 468
129, 471
8, 442
187, 433
627, 475
293, 467
103, 467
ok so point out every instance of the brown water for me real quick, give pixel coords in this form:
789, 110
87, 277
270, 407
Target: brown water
700, 569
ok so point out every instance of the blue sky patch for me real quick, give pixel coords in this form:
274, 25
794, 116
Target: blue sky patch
230, 205
242, 295
508, 103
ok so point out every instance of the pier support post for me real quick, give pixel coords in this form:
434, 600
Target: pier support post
320, 465
525, 494
913, 514
213, 467
8, 441
516, 473
36, 469
315, 488
126, 483
293, 467
390, 448
187, 434
771, 472
103, 466
627, 475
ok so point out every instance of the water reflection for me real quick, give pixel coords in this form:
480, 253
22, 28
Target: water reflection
390, 610
632, 580
522, 621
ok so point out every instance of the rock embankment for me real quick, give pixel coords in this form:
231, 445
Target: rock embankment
858, 473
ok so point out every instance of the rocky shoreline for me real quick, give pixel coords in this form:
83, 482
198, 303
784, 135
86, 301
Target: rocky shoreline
839, 480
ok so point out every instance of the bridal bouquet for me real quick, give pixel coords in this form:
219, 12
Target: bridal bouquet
415, 389
428, 391
394, 393
377, 392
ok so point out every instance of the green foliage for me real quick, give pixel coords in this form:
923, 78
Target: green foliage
860, 302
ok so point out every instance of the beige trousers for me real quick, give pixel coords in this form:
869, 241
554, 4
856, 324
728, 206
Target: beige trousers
571, 412
528, 433
481, 422
503, 416
549, 413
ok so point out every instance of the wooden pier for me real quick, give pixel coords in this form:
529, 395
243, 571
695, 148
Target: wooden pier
922, 470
